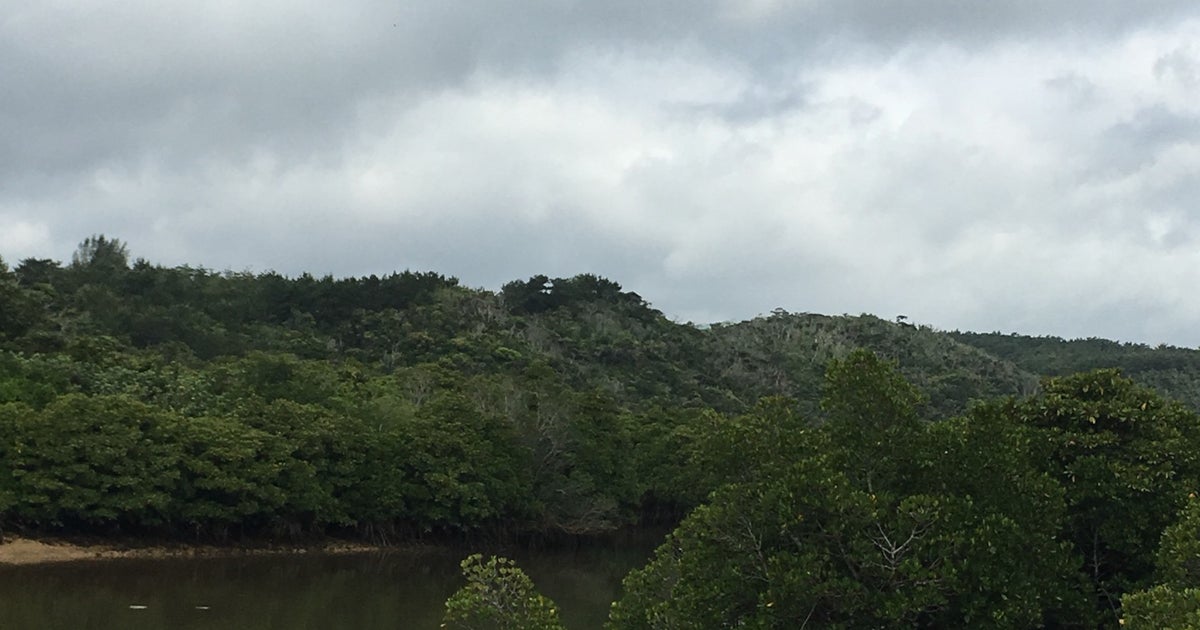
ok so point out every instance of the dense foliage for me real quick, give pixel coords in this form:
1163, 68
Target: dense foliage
498, 595
254, 404
930, 479
1173, 371
1021, 513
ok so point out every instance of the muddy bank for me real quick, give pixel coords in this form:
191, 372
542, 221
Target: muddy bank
15, 550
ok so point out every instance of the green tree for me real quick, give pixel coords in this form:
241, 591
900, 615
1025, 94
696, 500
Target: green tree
956, 528
744, 448
320, 451
104, 461
467, 466
101, 254
1127, 459
32, 272
873, 417
20, 310
1161, 608
229, 477
1178, 558
498, 595
1174, 603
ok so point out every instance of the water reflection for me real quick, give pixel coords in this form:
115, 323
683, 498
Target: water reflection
395, 589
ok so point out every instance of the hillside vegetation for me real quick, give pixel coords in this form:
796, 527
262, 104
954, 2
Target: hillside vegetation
1173, 371
838, 470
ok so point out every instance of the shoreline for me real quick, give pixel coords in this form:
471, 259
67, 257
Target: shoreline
23, 551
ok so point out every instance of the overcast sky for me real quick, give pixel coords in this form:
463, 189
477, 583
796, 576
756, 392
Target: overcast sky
1013, 165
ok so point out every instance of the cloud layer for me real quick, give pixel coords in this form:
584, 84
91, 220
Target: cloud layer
1007, 166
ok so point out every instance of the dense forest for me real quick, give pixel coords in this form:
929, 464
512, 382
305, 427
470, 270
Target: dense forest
828, 471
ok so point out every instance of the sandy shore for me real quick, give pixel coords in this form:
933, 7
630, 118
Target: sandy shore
16, 550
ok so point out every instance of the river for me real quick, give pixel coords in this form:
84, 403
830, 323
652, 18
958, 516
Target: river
403, 588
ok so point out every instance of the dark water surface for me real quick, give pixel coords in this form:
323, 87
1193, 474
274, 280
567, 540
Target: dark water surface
368, 591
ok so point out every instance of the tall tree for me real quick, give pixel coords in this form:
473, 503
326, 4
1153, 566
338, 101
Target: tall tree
946, 525
1127, 459
101, 253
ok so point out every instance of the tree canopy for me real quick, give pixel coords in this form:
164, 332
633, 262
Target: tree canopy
834, 471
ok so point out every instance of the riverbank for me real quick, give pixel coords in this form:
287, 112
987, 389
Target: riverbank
25, 551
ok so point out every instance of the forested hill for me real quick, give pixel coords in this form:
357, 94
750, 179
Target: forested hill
786, 354
586, 329
1173, 371
408, 402
137, 399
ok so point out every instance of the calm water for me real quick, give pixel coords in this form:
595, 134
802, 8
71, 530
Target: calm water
398, 589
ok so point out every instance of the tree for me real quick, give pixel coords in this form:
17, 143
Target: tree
1178, 558
499, 595
228, 477
531, 297
1174, 603
1127, 459
872, 416
103, 461
956, 528
38, 271
1161, 608
20, 310
101, 254
466, 466
744, 448
318, 452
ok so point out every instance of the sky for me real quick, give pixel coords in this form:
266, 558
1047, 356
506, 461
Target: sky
1009, 165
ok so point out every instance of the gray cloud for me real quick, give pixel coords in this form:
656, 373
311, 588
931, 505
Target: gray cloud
1158, 127
1002, 165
